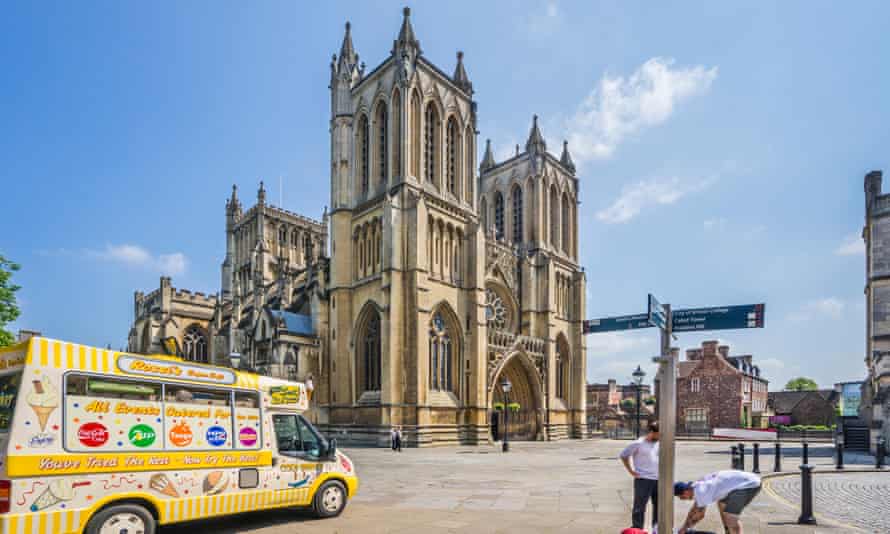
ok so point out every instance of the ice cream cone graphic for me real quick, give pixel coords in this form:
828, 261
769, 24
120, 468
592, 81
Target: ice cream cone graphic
43, 400
161, 484
56, 492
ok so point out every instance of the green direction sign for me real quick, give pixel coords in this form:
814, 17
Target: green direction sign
719, 318
657, 314
623, 322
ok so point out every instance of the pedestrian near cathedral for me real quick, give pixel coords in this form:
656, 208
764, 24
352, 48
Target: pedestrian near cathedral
640, 458
396, 438
732, 491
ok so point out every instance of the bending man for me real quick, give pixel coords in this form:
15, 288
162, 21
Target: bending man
731, 490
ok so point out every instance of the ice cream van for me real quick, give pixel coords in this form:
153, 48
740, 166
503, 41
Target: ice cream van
100, 442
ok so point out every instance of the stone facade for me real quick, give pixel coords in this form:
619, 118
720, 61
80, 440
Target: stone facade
425, 285
715, 389
875, 406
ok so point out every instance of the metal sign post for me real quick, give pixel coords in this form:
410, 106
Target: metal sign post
667, 418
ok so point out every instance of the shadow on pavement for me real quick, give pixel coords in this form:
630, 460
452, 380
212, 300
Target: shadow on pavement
241, 522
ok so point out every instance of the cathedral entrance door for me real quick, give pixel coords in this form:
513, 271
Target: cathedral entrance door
522, 418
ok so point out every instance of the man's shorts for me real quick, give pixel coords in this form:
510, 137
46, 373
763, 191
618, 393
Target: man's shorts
737, 500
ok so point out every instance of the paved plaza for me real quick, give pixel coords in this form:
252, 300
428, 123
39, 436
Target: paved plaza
571, 486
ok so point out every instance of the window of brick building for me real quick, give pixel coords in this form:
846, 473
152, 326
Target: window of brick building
695, 385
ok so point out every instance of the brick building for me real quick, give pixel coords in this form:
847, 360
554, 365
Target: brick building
818, 407
715, 389
604, 405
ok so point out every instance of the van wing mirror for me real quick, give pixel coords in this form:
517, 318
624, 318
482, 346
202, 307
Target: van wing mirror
332, 448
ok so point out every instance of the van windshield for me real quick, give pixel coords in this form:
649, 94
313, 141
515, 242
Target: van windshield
9, 388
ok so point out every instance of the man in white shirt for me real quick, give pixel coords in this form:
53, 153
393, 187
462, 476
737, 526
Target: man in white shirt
644, 454
732, 490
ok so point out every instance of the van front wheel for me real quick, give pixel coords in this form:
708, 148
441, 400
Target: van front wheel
330, 499
121, 519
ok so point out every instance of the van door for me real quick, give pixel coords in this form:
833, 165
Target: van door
299, 450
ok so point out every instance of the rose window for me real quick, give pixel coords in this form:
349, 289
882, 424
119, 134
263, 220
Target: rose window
495, 310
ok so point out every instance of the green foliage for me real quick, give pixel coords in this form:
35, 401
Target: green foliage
801, 384
649, 401
628, 404
498, 406
9, 309
513, 406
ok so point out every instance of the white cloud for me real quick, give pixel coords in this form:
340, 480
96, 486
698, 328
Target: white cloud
825, 307
718, 223
611, 343
647, 193
619, 107
172, 264
851, 246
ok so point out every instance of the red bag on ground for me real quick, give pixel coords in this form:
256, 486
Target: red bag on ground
633, 531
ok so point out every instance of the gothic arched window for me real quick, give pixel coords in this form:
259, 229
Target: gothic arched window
370, 354
194, 344
282, 236
562, 367
554, 217
468, 158
431, 141
517, 215
496, 314
566, 224
307, 248
415, 134
380, 120
364, 164
294, 239
441, 355
396, 134
452, 143
499, 215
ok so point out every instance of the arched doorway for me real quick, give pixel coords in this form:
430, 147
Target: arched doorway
524, 420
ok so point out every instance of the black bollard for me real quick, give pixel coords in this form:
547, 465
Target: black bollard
806, 452
839, 451
777, 467
806, 496
756, 457
880, 452
741, 457
733, 457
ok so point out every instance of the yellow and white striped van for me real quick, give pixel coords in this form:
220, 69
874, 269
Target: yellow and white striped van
95, 440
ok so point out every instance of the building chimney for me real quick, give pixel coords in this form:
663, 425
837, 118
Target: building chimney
709, 348
723, 350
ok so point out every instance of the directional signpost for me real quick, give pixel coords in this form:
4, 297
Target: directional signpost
668, 321
719, 318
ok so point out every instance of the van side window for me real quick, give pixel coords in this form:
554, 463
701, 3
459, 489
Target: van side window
110, 388
197, 418
107, 414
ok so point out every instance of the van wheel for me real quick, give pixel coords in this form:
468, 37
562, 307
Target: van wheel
330, 499
121, 519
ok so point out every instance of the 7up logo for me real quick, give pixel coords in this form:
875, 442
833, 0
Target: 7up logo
141, 435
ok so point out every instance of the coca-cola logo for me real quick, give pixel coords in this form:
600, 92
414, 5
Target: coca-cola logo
92, 434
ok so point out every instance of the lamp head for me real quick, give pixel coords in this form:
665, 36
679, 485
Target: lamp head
506, 386
235, 360
639, 375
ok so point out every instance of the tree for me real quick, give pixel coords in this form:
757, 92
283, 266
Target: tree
801, 384
9, 309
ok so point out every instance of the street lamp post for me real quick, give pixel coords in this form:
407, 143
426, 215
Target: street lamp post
505, 387
638, 375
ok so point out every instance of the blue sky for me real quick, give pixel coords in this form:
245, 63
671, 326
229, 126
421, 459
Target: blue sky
721, 149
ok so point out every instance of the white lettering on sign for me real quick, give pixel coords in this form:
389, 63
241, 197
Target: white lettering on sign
168, 369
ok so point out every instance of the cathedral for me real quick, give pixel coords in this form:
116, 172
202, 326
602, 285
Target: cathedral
423, 291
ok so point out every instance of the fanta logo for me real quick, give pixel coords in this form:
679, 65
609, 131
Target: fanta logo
92, 434
217, 435
247, 436
181, 435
